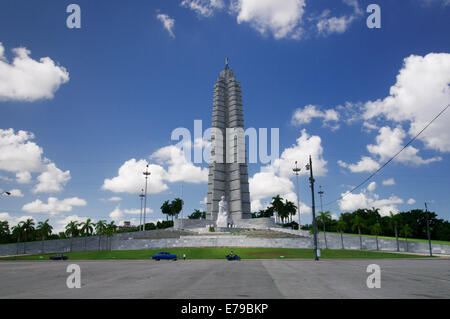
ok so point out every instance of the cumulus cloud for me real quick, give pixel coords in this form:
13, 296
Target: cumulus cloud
352, 202
204, 8
310, 112
60, 224
26, 79
20, 155
13, 220
327, 24
411, 201
179, 168
131, 180
366, 164
16, 192
172, 166
372, 186
118, 215
389, 182
114, 199
51, 180
390, 141
421, 91
167, 22
281, 18
54, 206
275, 179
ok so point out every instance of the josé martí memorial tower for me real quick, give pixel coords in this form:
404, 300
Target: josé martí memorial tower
228, 172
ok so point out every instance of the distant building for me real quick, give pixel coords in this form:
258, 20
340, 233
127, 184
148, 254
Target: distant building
126, 225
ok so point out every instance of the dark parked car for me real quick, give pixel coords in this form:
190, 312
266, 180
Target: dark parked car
164, 255
59, 257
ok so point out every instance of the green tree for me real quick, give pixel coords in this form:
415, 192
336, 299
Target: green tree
4, 231
100, 229
376, 230
340, 227
87, 228
175, 207
278, 206
197, 214
395, 223
45, 229
407, 232
358, 223
109, 232
166, 209
290, 209
324, 218
28, 228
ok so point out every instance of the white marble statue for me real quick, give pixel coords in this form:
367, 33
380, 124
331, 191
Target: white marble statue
223, 218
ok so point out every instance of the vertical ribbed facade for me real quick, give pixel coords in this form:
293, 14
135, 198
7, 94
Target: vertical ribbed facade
228, 173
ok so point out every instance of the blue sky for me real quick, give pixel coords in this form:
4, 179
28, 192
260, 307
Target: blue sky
114, 90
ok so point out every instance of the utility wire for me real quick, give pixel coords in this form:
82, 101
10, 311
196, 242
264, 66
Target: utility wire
391, 159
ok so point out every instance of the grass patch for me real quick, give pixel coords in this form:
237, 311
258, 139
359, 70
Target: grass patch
441, 242
219, 253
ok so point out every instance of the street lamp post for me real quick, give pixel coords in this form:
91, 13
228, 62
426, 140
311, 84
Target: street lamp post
321, 192
428, 230
311, 180
297, 171
146, 174
140, 218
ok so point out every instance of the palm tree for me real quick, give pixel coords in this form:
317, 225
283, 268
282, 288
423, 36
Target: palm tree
72, 231
341, 225
406, 231
87, 228
290, 208
18, 232
166, 209
4, 230
324, 217
100, 228
109, 232
358, 222
376, 230
277, 204
28, 227
175, 207
395, 222
45, 229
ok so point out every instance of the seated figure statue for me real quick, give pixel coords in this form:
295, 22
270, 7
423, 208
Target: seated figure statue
222, 217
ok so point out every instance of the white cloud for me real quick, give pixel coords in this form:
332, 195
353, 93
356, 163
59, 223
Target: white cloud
54, 206
282, 18
204, 201
23, 177
328, 25
352, 202
137, 211
116, 215
179, 168
411, 201
16, 192
372, 186
366, 164
275, 179
114, 199
389, 182
310, 112
131, 180
167, 22
13, 220
420, 93
26, 79
60, 224
52, 180
203, 8
18, 154
389, 142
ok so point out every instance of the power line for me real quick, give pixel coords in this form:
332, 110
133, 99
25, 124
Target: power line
392, 158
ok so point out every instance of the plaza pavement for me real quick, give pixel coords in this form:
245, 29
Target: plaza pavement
206, 279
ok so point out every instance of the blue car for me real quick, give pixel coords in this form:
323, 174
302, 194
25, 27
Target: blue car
164, 255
